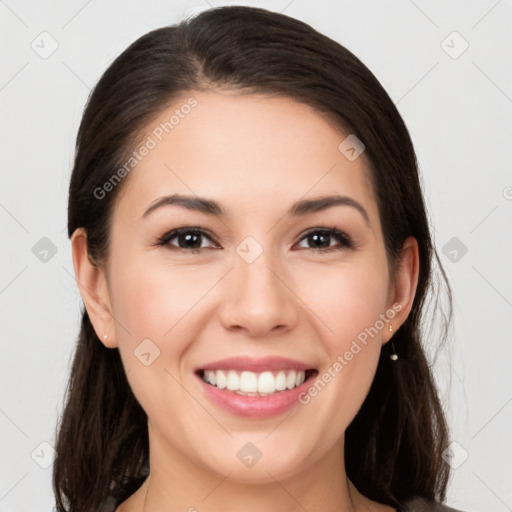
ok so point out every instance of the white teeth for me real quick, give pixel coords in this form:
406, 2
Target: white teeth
266, 383
218, 379
249, 382
233, 381
280, 382
254, 384
290, 380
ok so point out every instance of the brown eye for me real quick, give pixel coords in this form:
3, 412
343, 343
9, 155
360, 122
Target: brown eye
188, 239
320, 239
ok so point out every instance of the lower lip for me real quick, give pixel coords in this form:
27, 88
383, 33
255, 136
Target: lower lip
255, 406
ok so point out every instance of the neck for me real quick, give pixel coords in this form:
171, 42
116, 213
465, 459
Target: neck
177, 483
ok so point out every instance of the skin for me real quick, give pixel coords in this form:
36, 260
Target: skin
256, 156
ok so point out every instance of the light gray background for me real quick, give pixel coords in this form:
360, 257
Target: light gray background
458, 109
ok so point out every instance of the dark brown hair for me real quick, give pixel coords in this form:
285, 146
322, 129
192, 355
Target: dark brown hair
393, 446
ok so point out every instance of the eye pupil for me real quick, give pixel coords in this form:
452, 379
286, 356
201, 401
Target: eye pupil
190, 237
319, 238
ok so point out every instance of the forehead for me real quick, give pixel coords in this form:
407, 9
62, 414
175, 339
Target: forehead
245, 151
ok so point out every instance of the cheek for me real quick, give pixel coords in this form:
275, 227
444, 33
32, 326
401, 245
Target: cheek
154, 301
165, 305
158, 309
348, 301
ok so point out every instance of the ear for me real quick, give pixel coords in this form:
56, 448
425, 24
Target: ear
404, 284
92, 284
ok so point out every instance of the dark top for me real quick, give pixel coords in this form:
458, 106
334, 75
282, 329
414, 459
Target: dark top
415, 504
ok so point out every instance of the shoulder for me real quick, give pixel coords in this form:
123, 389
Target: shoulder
418, 504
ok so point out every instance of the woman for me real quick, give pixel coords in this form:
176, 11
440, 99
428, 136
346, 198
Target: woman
251, 244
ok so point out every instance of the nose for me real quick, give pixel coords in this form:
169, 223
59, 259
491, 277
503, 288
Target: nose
258, 298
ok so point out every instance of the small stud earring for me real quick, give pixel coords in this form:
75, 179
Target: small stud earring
105, 337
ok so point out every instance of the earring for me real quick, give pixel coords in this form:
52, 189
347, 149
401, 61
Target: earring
105, 337
394, 355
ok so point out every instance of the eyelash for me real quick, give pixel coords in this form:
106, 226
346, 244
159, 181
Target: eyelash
344, 239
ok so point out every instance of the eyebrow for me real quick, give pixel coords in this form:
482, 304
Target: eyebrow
299, 208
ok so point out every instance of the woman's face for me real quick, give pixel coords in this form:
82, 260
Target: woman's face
268, 284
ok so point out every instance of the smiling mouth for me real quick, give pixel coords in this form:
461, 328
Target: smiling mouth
249, 383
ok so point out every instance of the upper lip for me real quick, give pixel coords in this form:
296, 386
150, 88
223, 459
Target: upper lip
253, 364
